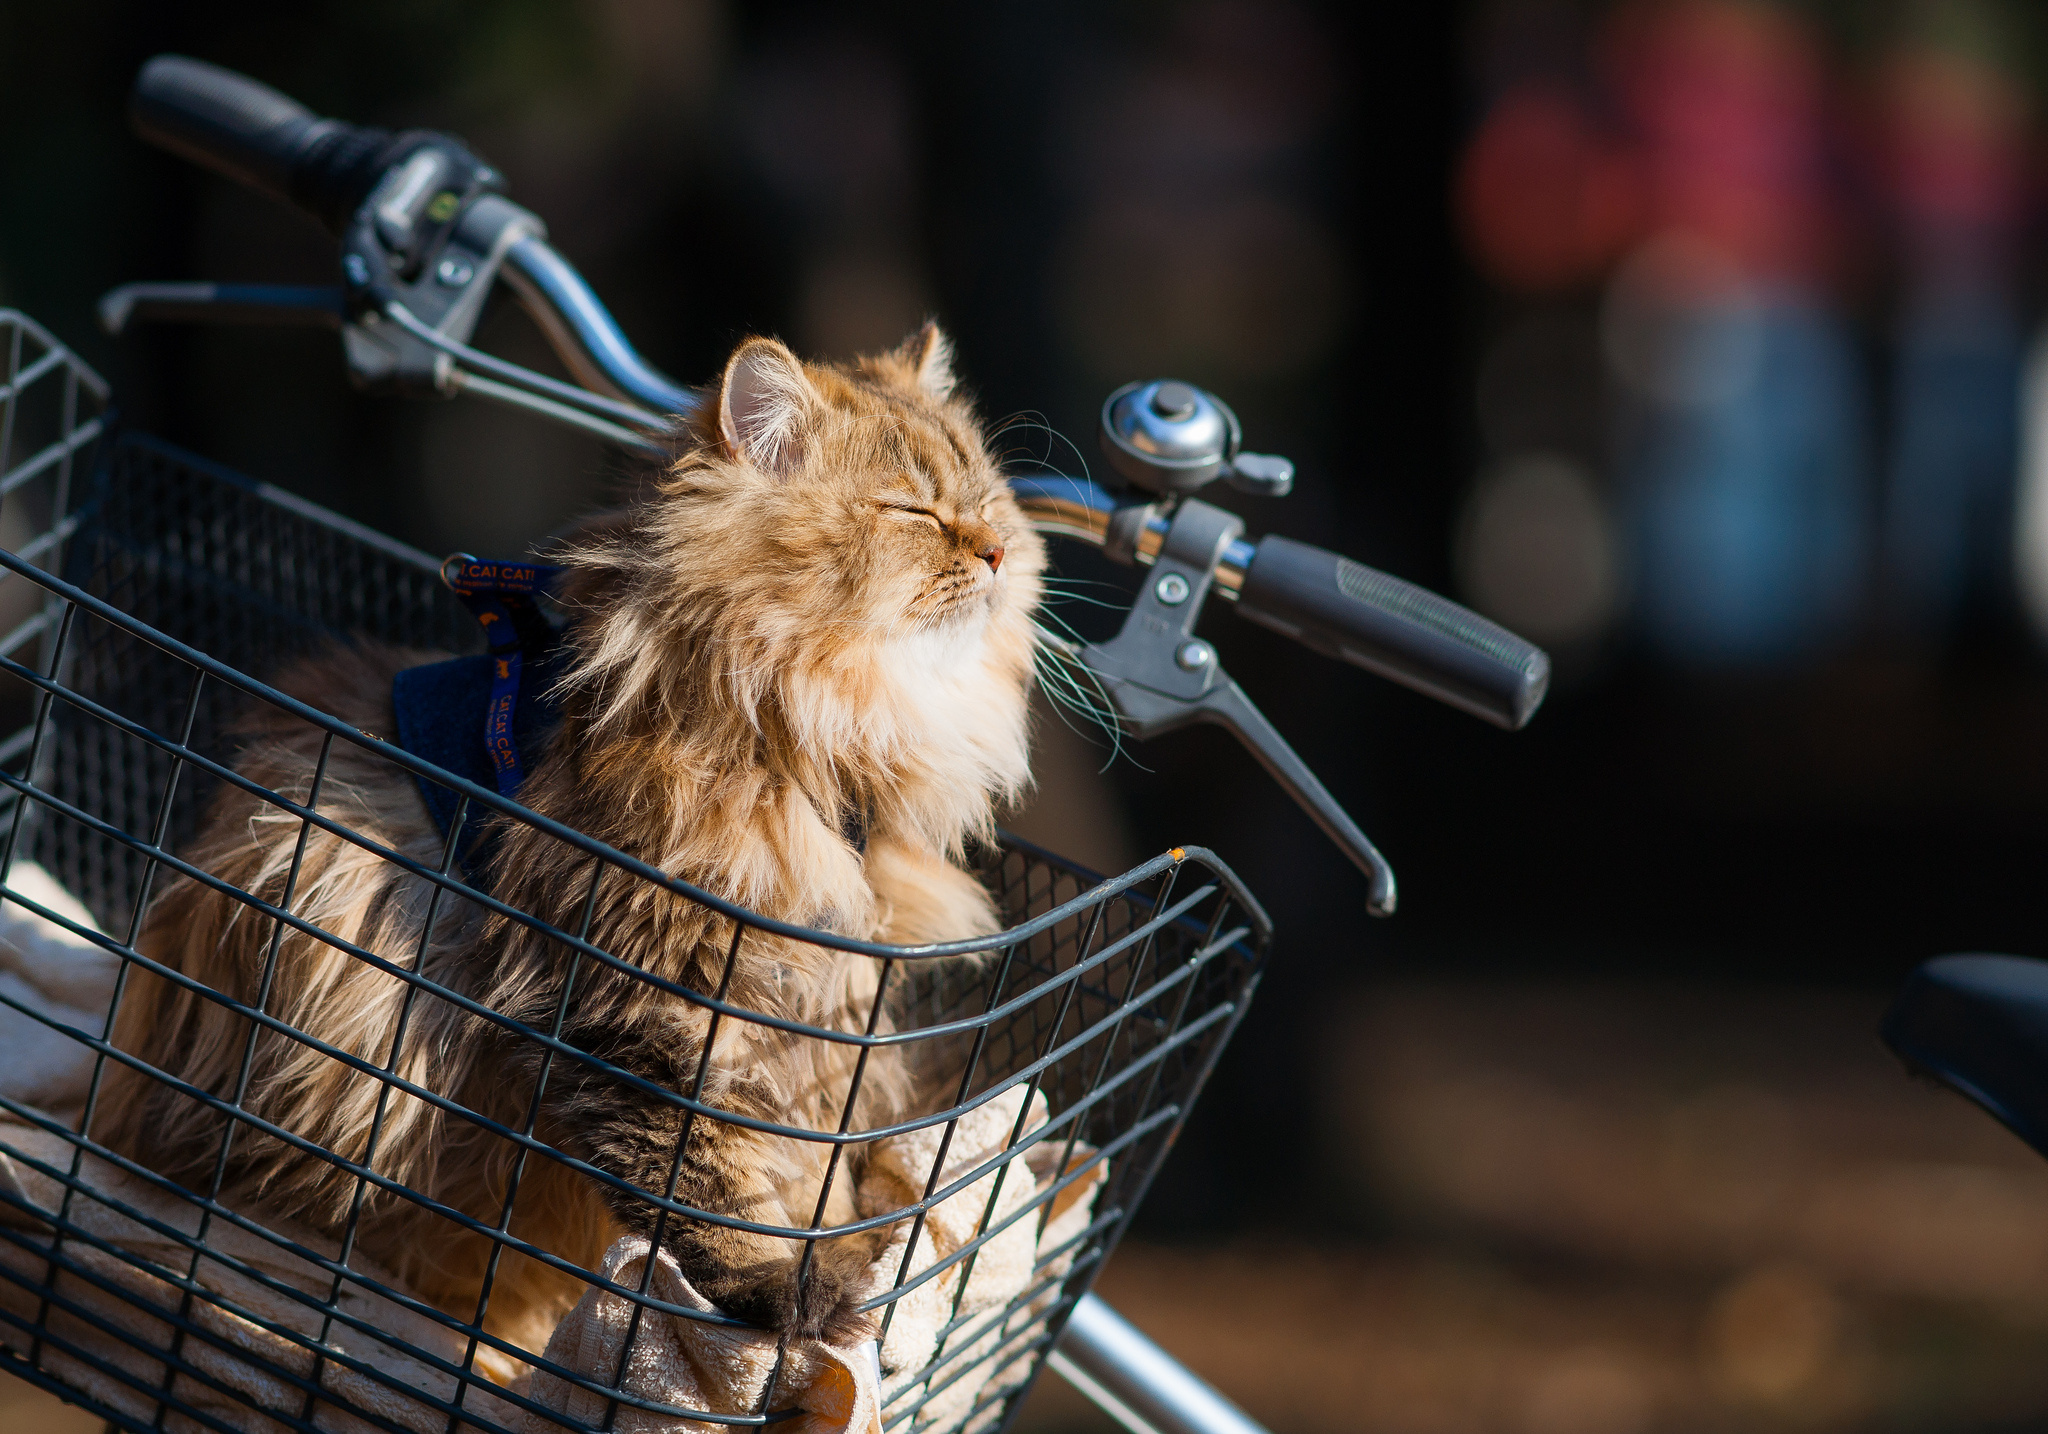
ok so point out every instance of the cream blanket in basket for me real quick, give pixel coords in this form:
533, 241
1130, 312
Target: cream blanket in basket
121, 1296
117, 1305
685, 1363
234, 1362
58, 974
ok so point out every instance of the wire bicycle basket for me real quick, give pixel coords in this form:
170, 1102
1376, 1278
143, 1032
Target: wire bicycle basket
146, 595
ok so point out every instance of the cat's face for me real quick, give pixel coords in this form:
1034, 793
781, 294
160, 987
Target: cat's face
871, 509
837, 566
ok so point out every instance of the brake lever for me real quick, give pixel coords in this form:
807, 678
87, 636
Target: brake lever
1161, 677
445, 295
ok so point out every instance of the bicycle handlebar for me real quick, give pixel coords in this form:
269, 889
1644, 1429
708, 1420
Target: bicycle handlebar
1344, 609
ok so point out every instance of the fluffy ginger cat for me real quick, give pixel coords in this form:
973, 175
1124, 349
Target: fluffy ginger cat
817, 621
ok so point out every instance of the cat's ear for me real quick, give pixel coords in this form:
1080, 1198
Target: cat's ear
764, 404
928, 354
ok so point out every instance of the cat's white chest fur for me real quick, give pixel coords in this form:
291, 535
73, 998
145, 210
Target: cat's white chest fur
957, 714
940, 689
935, 654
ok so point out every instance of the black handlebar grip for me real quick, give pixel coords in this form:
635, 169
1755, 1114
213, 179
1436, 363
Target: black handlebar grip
224, 121
1350, 611
249, 132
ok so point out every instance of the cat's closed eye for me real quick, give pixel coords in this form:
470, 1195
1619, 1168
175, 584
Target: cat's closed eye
925, 513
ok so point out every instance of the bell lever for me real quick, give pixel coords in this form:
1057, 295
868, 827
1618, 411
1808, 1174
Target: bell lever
1162, 677
1172, 439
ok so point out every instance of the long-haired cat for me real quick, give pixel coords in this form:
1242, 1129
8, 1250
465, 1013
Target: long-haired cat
817, 620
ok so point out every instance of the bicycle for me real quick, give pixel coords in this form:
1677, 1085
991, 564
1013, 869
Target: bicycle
161, 587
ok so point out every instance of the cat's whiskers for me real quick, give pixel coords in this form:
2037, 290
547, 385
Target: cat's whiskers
1030, 420
1070, 685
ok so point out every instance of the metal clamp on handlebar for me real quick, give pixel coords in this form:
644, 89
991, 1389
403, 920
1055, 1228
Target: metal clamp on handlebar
403, 249
1160, 677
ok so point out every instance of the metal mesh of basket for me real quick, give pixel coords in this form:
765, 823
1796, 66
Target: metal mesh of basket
147, 605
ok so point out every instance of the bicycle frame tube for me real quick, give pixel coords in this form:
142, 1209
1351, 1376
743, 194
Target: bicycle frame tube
1137, 1383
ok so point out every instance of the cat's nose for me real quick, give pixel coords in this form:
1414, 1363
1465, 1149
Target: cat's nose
992, 554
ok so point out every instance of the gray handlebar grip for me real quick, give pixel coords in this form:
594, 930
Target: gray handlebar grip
1385, 625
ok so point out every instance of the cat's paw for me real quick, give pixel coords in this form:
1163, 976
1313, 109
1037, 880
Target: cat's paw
827, 1305
823, 1304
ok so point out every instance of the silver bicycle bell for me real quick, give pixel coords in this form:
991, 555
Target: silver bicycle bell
1171, 438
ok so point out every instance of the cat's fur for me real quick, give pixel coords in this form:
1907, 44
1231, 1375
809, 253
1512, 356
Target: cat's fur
823, 607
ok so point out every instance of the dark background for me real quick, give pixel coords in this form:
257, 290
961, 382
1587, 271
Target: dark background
1256, 198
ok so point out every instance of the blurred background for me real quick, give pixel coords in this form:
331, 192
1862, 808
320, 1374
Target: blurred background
1699, 341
